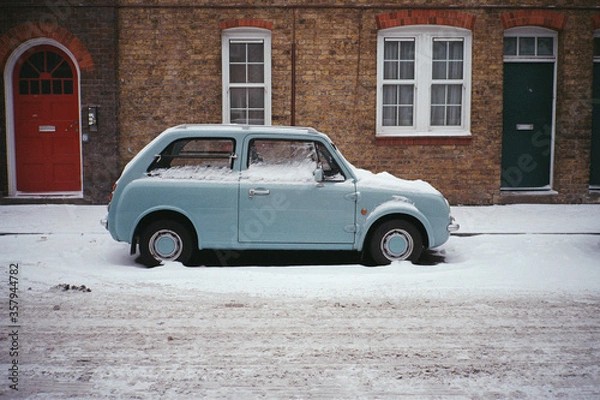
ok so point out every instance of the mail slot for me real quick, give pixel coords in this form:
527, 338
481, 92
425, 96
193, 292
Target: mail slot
47, 128
524, 127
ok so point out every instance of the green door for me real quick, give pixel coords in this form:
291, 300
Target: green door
527, 130
595, 168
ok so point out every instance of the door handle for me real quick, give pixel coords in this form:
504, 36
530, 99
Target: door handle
258, 192
46, 128
524, 127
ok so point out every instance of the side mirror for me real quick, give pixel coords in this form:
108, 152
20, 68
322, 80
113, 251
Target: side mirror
319, 175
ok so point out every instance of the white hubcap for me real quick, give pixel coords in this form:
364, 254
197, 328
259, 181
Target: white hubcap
397, 244
166, 245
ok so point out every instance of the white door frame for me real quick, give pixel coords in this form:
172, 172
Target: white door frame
10, 121
539, 31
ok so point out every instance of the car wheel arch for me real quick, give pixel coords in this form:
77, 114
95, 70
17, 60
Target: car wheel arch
158, 215
396, 216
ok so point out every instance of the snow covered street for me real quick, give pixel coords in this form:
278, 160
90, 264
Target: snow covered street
508, 308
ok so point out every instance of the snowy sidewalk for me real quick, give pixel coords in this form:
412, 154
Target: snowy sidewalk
522, 218
530, 248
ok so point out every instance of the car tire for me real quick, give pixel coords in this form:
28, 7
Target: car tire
165, 240
395, 240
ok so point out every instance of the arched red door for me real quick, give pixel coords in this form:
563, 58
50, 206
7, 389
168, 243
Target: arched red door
47, 138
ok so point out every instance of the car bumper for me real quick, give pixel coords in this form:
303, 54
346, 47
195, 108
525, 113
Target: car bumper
453, 226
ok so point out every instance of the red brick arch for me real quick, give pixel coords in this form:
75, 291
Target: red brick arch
425, 17
544, 18
22, 33
245, 22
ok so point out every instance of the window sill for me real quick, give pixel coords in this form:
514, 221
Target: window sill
423, 140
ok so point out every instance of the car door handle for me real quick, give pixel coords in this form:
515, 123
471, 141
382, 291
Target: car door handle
258, 192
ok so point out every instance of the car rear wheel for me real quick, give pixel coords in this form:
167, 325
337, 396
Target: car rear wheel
395, 240
165, 241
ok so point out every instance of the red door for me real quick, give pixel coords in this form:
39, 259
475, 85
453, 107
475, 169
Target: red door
47, 141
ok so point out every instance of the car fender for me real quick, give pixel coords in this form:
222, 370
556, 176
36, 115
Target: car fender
162, 209
399, 206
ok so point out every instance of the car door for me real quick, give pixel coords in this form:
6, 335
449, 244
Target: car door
281, 202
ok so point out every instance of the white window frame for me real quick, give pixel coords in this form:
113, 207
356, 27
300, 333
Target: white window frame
424, 36
250, 35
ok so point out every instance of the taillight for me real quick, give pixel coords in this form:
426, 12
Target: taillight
110, 196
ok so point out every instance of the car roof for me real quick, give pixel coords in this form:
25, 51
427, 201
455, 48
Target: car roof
242, 130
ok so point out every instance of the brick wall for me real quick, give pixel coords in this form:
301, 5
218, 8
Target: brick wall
169, 72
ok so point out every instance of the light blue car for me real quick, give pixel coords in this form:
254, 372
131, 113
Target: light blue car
267, 188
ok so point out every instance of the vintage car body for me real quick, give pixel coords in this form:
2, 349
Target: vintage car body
256, 187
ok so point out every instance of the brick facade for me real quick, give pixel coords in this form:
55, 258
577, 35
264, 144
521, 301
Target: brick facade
324, 74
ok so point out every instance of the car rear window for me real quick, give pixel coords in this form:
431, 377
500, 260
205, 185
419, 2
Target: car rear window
196, 158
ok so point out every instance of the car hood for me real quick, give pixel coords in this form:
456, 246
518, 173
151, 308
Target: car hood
386, 182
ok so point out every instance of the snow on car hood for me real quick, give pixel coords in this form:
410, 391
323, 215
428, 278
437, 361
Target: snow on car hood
387, 181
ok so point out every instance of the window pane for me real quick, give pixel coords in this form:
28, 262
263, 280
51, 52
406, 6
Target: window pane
23, 87
56, 87
526, 46
407, 70
455, 70
237, 52
390, 94
439, 70
437, 115
453, 116
63, 71
256, 52
238, 98
238, 116
454, 94
27, 71
390, 70
390, 50
68, 87
407, 50
407, 94
52, 61
438, 94
510, 46
455, 50
405, 116
46, 86
256, 117
37, 60
256, 73
597, 47
389, 116
237, 73
439, 50
34, 87
545, 46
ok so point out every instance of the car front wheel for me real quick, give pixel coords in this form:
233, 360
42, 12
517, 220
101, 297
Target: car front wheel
165, 241
395, 240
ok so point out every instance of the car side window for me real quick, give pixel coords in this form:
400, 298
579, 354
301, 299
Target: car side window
294, 160
331, 169
195, 158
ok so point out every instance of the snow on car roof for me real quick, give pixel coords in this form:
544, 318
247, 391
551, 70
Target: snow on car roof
232, 128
